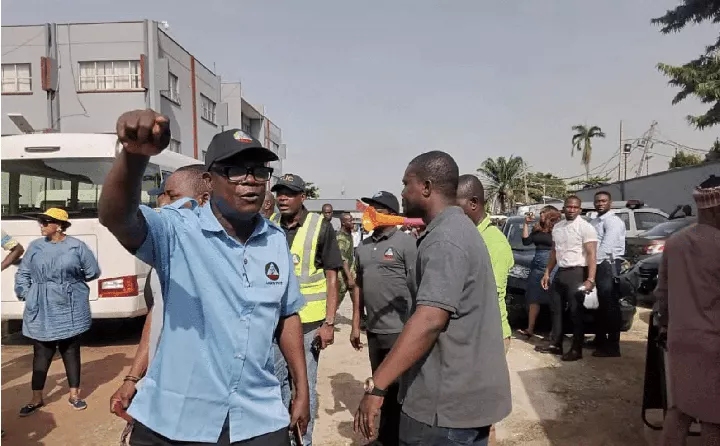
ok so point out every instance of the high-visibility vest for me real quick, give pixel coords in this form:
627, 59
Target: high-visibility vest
313, 284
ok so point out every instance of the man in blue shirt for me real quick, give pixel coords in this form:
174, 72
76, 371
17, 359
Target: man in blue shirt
611, 247
227, 281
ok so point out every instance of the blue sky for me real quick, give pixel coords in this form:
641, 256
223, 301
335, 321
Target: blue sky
360, 88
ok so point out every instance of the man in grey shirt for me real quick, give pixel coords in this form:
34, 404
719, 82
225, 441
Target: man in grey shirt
383, 262
457, 382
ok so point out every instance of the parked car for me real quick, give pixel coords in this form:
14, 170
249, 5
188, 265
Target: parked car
652, 242
517, 284
633, 213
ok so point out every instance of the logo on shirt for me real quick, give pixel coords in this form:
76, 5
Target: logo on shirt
272, 271
296, 259
389, 254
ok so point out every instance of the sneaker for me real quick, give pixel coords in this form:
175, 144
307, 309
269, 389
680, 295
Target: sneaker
77, 403
30, 409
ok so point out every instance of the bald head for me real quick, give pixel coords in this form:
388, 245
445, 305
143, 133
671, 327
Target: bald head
188, 181
471, 197
268, 207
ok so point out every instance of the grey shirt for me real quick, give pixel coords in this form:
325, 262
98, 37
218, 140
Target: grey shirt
383, 263
463, 381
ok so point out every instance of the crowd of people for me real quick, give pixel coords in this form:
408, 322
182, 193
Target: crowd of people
245, 285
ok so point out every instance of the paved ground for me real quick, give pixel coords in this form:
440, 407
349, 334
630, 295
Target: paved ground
590, 402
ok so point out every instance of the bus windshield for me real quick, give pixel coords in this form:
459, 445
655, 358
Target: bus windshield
31, 186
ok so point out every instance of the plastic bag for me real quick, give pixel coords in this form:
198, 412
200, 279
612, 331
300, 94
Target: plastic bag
591, 301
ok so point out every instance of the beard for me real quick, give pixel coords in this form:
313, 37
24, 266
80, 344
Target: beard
412, 210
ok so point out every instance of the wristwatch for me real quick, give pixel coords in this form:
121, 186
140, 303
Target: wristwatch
370, 388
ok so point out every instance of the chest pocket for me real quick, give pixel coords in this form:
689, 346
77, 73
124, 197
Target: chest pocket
267, 274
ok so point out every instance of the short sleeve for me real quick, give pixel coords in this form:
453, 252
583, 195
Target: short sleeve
292, 301
155, 250
588, 233
443, 270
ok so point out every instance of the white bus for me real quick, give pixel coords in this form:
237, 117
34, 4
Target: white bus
67, 170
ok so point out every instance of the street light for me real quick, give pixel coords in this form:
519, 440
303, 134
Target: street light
21, 123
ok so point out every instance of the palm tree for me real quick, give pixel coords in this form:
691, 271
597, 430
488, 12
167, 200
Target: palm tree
502, 177
582, 142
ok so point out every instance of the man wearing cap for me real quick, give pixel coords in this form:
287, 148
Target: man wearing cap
317, 260
383, 263
689, 302
228, 289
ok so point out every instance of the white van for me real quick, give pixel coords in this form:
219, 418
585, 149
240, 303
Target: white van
67, 170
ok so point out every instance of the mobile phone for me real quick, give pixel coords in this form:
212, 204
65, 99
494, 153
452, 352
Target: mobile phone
297, 435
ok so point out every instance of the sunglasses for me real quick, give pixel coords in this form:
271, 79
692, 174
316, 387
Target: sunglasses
44, 222
237, 174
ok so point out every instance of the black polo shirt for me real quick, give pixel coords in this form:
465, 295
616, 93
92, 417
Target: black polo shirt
383, 263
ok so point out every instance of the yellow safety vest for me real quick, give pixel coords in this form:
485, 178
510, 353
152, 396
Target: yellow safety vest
313, 284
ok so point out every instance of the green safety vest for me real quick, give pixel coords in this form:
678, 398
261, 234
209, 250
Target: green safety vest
313, 284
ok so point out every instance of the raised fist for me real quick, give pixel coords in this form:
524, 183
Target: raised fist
143, 132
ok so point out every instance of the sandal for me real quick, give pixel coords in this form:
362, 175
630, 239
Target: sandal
526, 334
30, 409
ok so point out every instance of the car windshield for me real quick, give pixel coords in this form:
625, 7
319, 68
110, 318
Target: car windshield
666, 229
513, 231
31, 186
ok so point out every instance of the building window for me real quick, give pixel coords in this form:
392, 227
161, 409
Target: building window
110, 75
16, 78
275, 146
208, 108
174, 146
246, 126
173, 93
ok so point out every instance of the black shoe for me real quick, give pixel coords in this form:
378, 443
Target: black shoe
30, 409
572, 355
594, 343
606, 353
551, 349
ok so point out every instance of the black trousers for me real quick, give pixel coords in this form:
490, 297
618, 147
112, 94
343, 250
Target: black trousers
143, 436
379, 345
564, 294
43, 352
609, 315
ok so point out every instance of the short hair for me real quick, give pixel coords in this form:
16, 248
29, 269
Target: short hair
269, 196
344, 214
327, 204
440, 169
604, 192
194, 175
573, 197
470, 186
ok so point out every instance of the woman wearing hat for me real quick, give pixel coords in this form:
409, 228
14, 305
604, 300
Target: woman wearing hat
52, 280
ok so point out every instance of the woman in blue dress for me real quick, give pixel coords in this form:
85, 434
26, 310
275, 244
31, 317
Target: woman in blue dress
52, 280
541, 237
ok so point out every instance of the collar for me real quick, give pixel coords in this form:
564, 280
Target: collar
303, 216
606, 214
484, 223
444, 215
210, 223
384, 234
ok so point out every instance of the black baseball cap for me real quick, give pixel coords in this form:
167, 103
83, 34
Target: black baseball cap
290, 181
230, 143
383, 199
158, 190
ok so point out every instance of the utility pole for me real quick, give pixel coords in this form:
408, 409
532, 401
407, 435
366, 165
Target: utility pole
621, 148
527, 198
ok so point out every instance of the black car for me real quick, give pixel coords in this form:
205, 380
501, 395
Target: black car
517, 283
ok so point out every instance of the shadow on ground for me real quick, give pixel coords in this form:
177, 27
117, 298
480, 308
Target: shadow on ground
347, 393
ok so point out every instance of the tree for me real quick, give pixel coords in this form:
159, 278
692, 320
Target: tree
312, 191
582, 142
682, 159
502, 177
544, 184
714, 153
699, 77
590, 182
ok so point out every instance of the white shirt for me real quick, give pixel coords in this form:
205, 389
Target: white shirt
611, 235
569, 237
356, 238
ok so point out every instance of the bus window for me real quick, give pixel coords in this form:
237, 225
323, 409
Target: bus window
32, 186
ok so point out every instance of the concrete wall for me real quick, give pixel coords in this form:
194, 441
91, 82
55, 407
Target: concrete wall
25, 44
96, 112
206, 84
664, 190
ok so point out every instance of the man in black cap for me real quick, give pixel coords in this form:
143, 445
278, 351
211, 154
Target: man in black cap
226, 279
383, 262
317, 260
